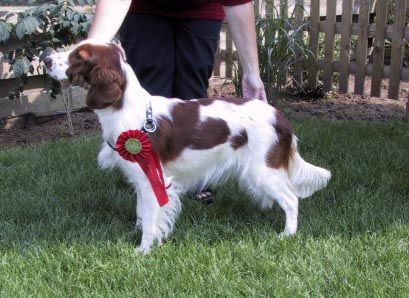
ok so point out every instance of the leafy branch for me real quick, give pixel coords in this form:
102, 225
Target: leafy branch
51, 25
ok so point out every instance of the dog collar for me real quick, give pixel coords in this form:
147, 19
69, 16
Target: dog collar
148, 126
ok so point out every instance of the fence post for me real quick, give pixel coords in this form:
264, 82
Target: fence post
397, 47
229, 55
259, 7
362, 47
346, 29
379, 49
217, 56
299, 20
283, 11
407, 108
329, 44
314, 31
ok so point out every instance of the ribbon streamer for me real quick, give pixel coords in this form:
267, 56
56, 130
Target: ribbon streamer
136, 146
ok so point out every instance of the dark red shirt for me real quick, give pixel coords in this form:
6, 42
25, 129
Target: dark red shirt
185, 9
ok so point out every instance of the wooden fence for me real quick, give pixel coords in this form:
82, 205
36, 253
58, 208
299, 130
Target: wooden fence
347, 22
226, 55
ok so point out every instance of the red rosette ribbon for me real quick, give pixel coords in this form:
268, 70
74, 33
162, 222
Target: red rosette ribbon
136, 146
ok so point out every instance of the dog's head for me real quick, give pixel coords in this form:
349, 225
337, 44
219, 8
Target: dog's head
100, 65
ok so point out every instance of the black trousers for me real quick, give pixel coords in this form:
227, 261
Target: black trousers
171, 57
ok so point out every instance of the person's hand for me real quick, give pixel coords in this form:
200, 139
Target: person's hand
253, 87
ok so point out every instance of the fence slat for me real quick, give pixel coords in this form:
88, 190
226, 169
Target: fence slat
329, 44
283, 11
397, 47
229, 55
345, 45
362, 47
314, 34
379, 48
217, 61
353, 69
299, 19
355, 29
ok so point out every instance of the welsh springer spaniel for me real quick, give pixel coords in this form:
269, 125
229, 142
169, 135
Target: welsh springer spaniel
200, 142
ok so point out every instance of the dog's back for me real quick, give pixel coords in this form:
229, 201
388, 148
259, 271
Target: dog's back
205, 141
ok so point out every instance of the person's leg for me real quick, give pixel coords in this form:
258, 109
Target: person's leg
195, 46
148, 42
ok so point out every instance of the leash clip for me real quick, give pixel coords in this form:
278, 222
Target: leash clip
149, 125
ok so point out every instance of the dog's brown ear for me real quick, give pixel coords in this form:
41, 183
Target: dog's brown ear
101, 75
84, 54
107, 88
100, 66
103, 96
79, 64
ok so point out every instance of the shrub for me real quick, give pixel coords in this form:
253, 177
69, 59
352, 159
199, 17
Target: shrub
50, 25
279, 49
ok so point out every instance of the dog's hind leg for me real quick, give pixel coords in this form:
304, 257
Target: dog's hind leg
289, 203
273, 185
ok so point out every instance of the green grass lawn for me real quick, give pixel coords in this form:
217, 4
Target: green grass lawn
66, 228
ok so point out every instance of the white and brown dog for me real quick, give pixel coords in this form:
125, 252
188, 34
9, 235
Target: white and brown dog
200, 142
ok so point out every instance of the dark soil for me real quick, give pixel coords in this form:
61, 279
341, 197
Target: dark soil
50, 128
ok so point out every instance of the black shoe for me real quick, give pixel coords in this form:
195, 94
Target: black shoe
205, 196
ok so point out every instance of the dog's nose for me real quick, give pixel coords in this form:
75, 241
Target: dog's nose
48, 62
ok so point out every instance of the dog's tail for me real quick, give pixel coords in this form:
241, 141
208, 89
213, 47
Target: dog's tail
305, 177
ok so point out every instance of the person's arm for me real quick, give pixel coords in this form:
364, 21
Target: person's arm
108, 17
242, 26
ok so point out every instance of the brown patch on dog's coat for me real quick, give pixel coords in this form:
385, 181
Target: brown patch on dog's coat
280, 153
185, 130
239, 140
100, 66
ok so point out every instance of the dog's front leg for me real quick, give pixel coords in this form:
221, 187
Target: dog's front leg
107, 158
148, 211
156, 222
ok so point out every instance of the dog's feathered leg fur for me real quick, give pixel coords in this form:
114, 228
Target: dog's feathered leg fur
155, 222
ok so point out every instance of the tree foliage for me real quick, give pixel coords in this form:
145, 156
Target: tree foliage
45, 26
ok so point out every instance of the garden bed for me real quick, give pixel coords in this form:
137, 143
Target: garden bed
335, 107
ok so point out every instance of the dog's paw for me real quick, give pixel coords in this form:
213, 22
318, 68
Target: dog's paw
142, 250
285, 235
138, 224
106, 159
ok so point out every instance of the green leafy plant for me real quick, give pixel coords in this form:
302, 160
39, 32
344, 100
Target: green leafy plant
48, 26
280, 48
